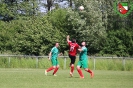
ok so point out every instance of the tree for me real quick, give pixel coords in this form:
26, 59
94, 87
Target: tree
90, 26
35, 36
49, 4
71, 3
5, 13
119, 42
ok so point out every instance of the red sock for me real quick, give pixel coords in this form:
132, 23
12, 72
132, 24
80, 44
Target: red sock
56, 69
72, 68
49, 69
80, 72
89, 71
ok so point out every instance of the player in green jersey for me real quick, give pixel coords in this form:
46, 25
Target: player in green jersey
53, 57
83, 61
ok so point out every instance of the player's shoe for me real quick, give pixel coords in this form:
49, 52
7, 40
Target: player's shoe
46, 72
81, 77
54, 75
92, 75
71, 74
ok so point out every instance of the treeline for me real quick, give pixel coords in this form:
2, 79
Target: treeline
26, 30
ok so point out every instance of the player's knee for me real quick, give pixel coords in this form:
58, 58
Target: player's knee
54, 67
72, 65
57, 66
78, 67
86, 69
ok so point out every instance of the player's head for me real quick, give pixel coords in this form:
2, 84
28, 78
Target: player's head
73, 40
83, 43
57, 44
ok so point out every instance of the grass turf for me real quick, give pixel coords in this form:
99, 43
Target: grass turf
35, 78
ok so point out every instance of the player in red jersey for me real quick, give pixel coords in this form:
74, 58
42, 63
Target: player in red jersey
73, 46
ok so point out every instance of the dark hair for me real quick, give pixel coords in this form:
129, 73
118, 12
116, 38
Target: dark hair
73, 40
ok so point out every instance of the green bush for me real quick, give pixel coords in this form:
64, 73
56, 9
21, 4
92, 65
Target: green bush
4, 62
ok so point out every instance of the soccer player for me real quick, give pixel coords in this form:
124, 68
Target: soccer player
83, 61
73, 47
53, 57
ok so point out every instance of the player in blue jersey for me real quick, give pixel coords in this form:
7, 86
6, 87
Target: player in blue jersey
83, 61
53, 57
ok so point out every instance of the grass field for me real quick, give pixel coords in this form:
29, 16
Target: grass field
35, 78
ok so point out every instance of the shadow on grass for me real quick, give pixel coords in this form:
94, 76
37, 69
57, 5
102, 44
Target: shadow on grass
73, 77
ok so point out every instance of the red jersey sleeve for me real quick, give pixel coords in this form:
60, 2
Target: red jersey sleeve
78, 46
69, 42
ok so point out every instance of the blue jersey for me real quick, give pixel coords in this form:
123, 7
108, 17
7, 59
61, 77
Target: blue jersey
83, 54
54, 52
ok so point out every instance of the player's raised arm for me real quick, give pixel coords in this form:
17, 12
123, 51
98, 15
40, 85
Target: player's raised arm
68, 37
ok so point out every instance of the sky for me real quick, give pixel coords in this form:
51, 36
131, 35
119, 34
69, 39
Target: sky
61, 3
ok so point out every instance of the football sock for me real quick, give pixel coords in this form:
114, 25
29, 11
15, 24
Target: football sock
80, 72
72, 68
49, 69
56, 69
89, 71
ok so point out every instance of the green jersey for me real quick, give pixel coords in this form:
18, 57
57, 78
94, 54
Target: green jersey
83, 54
54, 52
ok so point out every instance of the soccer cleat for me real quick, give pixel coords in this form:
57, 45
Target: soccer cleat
46, 72
92, 75
54, 75
71, 74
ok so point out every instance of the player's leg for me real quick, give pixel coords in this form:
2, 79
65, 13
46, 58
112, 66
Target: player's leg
79, 69
91, 72
52, 67
85, 66
72, 64
57, 67
70, 59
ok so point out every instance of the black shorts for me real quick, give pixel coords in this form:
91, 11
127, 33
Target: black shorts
73, 58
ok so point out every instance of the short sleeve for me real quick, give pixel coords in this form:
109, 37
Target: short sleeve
52, 50
69, 42
83, 49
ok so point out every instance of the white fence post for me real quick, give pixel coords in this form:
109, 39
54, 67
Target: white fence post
64, 62
36, 62
9, 60
94, 64
123, 63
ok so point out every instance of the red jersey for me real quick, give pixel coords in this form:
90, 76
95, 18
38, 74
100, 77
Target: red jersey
73, 48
